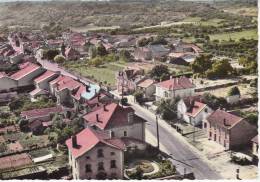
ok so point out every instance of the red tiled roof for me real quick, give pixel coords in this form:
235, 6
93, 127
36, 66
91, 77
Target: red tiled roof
224, 119
66, 82
44, 76
41, 112
113, 115
176, 84
195, 109
255, 139
146, 83
88, 138
25, 70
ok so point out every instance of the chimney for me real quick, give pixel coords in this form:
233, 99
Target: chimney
111, 134
177, 81
74, 141
170, 77
97, 118
130, 117
225, 122
104, 106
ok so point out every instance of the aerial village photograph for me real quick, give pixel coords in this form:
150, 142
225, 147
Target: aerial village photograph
128, 89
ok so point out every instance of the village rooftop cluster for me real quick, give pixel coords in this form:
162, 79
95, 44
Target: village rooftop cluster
58, 123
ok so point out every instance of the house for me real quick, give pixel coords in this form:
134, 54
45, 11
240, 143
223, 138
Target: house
96, 155
128, 79
98, 100
255, 147
41, 83
71, 54
158, 50
22, 78
174, 87
229, 130
182, 47
192, 111
36, 127
67, 90
116, 120
142, 53
147, 86
43, 114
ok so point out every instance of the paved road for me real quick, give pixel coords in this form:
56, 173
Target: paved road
55, 67
181, 152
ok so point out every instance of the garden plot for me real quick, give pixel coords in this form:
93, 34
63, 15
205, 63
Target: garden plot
15, 161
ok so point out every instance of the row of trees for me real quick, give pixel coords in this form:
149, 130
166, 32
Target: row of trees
204, 66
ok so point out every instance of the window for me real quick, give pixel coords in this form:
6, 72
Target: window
112, 134
100, 166
206, 110
205, 125
112, 153
165, 94
88, 168
87, 157
100, 153
113, 164
125, 133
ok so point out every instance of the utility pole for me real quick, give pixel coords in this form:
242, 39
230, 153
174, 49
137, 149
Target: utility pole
157, 129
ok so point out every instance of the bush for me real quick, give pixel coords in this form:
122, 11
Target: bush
240, 160
138, 174
234, 91
59, 59
124, 101
139, 97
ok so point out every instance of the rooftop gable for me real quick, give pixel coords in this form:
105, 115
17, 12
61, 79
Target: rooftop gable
88, 139
176, 84
224, 119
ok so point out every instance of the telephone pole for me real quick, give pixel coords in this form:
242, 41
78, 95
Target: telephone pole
157, 132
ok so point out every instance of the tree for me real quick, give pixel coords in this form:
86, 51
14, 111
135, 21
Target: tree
139, 97
168, 108
92, 51
23, 123
124, 56
213, 101
234, 91
144, 41
97, 61
221, 68
63, 47
160, 72
50, 54
59, 59
202, 63
101, 50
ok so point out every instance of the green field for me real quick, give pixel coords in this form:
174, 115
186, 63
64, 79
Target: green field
198, 21
105, 73
247, 34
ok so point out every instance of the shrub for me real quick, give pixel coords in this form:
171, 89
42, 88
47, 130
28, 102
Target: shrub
124, 101
234, 91
59, 59
240, 160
